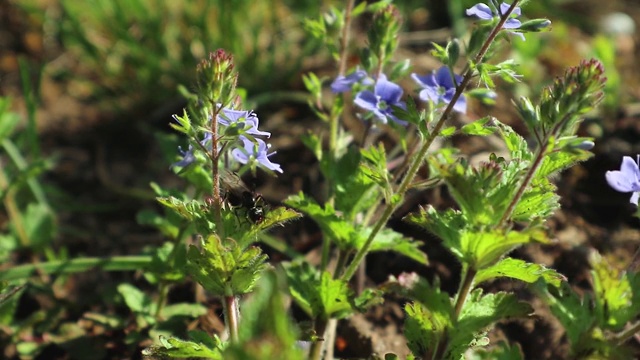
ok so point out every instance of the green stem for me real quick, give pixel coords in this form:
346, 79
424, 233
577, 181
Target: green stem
162, 298
315, 353
334, 128
230, 306
114, 263
627, 334
466, 283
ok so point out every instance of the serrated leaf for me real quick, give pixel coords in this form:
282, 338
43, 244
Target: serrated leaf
574, 313
480, 313
225, 269
517, 145
448, 131
341, 231
479, 127
557, 161
614, 295
539, 201
173, 347
429, 317
273, 217
484, 248
389, 240
521, 270
9, 300
318, 294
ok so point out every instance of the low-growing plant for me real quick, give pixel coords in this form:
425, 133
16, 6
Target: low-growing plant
214, 225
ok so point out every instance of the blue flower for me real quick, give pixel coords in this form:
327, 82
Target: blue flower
188, 157
255, 153
379, 101
627, 179
484, 12
438, 87
345, 83
228, 117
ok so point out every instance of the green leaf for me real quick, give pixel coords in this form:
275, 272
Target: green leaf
617, 302
480, 313
479, 127
267, 330
448, 131
273, 217
429, 317
8, 119
502, 351
341, 231
484, 248
477, 248
173, 347
483, 193
574, 313
225, 269
183, 309
318, 294
136, 300
521, 270
539, 201
389, 240
557, 161
39, 223
9, 299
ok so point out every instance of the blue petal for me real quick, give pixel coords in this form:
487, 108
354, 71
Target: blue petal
512, 24
388, 91
366, 100
504, 7
480, 11
627, 179
424, 80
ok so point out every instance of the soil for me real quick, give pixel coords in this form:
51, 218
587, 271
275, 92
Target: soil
102, 156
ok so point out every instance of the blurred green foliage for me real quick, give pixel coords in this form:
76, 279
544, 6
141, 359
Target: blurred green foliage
139, 51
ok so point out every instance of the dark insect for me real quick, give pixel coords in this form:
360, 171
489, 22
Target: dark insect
239, 196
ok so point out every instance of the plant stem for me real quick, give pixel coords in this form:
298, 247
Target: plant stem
627, 334
466, 283
230, 308
217, 198
162, 298
334, 120
315, 353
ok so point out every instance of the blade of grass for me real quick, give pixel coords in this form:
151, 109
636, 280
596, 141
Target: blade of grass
114, 263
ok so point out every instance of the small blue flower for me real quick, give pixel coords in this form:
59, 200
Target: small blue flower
188, 157
379, 101
484, 12
438, 87
627, 179
227, 117
345, 83
255, 153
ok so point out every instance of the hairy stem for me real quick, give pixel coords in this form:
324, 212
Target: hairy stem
315, 353
230, 308
334, 121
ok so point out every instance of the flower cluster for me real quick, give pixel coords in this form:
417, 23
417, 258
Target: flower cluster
627, 179
247, 149
437, 88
